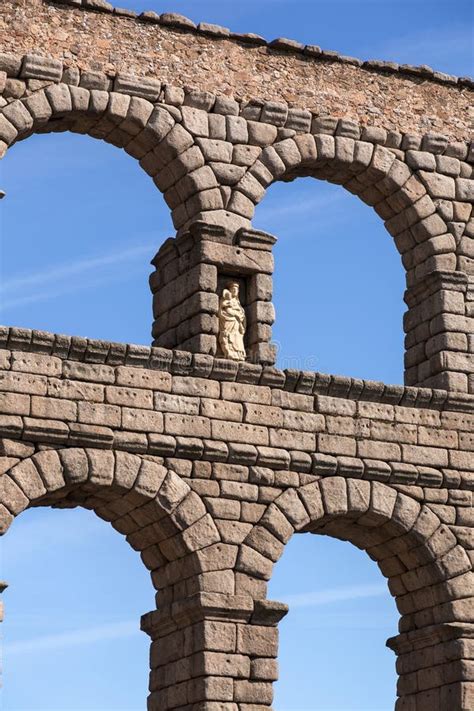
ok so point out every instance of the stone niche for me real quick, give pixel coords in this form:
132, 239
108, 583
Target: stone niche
191, 271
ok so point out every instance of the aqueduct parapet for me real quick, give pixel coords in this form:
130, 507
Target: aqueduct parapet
206, 465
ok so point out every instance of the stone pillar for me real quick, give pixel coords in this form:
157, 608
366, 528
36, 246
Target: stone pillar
213, 649
439, 326
190, 273
3, 587
435, 667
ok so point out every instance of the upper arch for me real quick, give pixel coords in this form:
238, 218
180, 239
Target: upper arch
213, 158
378, 175
171, 133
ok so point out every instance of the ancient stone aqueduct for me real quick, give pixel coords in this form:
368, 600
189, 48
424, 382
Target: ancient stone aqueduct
208, 465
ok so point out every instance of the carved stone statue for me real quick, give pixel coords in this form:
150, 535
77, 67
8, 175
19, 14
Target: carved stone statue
232, 323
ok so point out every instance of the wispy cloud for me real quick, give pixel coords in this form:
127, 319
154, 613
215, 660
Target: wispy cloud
53, 528
300, 206
67, 288
332, 595
65, 271
63, 278
73, 638
386, 620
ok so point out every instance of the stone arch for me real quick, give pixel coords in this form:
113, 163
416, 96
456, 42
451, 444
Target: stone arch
204, 181
192, 160
411, 545
162, 137
426, 210
129, 122
429, 574
431, 233
213, 158
378, 175
154, 508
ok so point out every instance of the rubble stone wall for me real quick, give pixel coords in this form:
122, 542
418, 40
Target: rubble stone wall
91, 35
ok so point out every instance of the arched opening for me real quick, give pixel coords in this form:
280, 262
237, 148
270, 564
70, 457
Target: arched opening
332, 642
71, 635
338, 282
80, 224
157, 512
428, 573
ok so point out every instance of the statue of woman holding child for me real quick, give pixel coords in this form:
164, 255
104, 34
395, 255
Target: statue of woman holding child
232, 323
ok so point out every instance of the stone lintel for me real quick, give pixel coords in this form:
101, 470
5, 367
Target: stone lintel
202, 606
429, 636
433, 282
254, 239
212, 606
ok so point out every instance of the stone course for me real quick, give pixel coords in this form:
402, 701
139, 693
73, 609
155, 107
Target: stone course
208, 466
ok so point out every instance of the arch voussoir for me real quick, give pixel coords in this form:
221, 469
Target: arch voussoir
26, 476
12, 497
275, 521
101, 466
19, 116
293, 508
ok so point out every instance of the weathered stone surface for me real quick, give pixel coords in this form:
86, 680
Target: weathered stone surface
208, 465
137, 86
151, 30
44, 68
421, 160
465, 189
26, 476
142, 420
439, 186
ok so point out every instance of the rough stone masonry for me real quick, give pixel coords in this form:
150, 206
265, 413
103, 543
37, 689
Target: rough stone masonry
208, 466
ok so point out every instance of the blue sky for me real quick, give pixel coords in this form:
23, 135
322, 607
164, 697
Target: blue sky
78, 227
